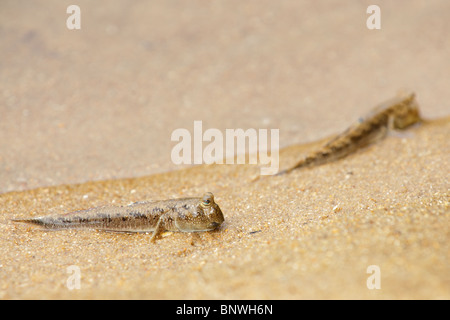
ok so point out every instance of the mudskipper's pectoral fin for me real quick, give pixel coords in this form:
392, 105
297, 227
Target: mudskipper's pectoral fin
159, 228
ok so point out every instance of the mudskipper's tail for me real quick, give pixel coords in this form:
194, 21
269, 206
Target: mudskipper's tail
35, 221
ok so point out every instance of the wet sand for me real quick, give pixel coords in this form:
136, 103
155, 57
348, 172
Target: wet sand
102, 102
86, 120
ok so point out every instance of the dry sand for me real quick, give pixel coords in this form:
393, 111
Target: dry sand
101, 103
310, 234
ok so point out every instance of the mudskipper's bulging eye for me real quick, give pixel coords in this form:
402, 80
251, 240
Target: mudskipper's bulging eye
208, 200
206, 203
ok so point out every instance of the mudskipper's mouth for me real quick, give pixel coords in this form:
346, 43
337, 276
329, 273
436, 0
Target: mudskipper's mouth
215, 224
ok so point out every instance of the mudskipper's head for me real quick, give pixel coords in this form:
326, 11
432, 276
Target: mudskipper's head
203, 216
408, 113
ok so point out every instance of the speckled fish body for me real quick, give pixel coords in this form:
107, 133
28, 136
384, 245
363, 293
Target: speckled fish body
397, 113
185, 215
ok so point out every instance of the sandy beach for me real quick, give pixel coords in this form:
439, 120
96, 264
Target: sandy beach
87, 116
